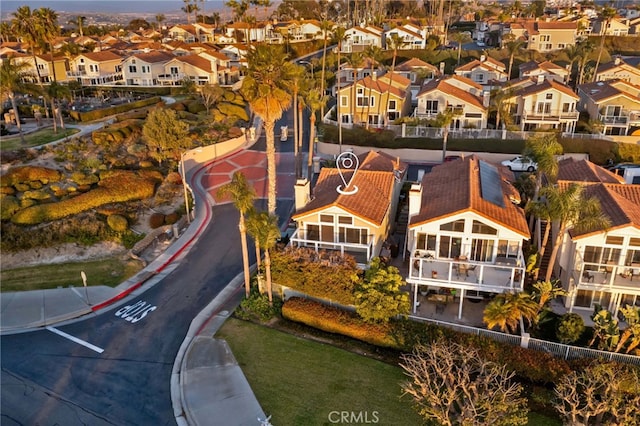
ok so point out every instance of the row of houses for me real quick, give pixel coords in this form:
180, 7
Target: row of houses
466, 230
539, 99
167, 66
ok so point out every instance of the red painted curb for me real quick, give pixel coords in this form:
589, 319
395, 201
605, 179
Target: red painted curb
216, 312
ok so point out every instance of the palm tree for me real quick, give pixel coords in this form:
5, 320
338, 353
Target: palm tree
586, 48
325, 26
354, 60
159, 19
444, 120
340, 36
12, 81
296, 78
315, 101
571, 208
513, 47
543, 150
606, 15
48, 20
242, 195
187, 9
460, 38
79, 22
505, 311
395, 42
265, 87
54, 92
5, 32
573, 54
499, 104
26, 26
374, 54
266, 234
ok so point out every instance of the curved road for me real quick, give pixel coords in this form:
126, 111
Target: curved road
50, 380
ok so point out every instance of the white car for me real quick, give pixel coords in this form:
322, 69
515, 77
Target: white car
520, 164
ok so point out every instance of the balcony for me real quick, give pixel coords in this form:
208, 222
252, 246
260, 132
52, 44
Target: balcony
552, 116
614, 120
607, 277
504, 274
362, 252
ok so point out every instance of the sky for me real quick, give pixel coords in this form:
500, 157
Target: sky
110, 6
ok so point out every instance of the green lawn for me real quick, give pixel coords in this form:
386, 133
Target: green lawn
36, 138
301, 382
108, 271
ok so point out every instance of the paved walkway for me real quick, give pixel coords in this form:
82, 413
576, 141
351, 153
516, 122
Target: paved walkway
207, 385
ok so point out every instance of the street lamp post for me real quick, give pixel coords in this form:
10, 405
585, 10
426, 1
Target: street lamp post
184, 186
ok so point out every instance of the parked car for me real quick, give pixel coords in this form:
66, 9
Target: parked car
520, 164
620, 168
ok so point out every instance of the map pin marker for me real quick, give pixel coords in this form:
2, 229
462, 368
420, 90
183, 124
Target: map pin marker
347, 161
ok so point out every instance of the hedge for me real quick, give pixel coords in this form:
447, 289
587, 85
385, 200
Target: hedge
117, 187
534, 366
316, 274
105, 112
334, 320
116, 133
24, 174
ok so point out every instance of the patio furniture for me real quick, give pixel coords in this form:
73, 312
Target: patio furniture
608, 269
587, 276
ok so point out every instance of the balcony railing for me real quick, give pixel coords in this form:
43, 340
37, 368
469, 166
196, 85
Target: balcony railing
551, 116
607, 276
171, 77
614, 120
505, 274
362, 252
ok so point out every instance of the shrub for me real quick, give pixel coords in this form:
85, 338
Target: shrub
146, 164
8, 206
28, 174
7, 190
570, 328
257, 307
36, 195
115, 188
334, 320
156, 220
196, 107
232, 110
174, 178
101, 113
129, 239
324, 275
171, 218
84, 179
117, 223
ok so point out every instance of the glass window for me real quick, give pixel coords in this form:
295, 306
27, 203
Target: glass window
313, 232
426, 241
345, 220
508, 248
634, 242
481, 228
392, 105
133, 68
455, 226
344, 101
450, 246
326, 218
482, 250
616, 241
549, 96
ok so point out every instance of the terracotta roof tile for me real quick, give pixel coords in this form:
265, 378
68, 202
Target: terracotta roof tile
102, 56
585, 171
442, 86
155, 56
375, 180
454, 187
196, 61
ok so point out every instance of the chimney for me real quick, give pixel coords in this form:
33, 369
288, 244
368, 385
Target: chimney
483, 58
486, 98
540, 78
617, 60
415, 199
302, 193
442, 68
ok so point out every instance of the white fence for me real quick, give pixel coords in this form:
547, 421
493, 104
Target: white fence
558, 350
405, 131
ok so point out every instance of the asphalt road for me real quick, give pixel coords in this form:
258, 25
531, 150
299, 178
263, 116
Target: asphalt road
47, 379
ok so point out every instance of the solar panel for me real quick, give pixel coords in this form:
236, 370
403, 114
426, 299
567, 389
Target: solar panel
490, 184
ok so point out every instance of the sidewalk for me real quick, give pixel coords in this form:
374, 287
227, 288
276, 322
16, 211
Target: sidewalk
207, 385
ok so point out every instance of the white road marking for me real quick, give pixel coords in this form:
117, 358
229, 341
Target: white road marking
75, 339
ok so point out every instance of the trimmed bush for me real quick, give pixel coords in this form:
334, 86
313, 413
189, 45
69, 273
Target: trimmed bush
7, 190
101, 113
116, 133
232, 110
8, 206
25, 174
171, 218
334, 320
196, 107
81, 178
156, 220
117, 223
145, 164
36, 195
119, 187
324, 275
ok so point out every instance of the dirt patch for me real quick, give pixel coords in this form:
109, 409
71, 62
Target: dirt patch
61, 254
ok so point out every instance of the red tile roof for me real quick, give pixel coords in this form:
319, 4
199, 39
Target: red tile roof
454, 187
441, 85
375, 180
584, 171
